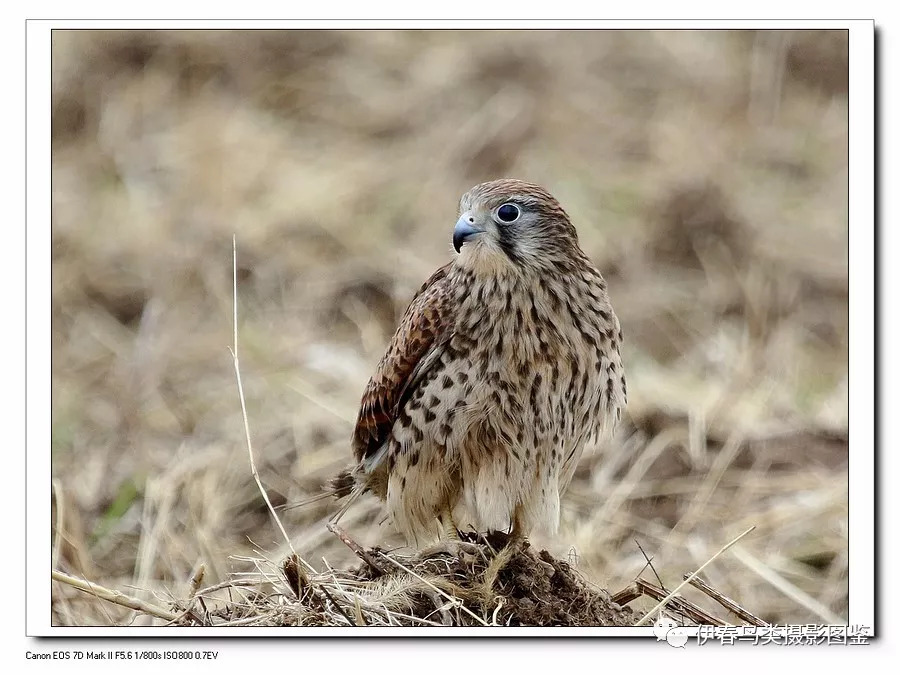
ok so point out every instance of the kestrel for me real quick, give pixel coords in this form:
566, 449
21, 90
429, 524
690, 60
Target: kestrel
504, 365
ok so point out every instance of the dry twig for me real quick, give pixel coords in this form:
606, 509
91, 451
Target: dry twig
115, 597
676, 604
303, 577
725, 601
666, 599
362, 553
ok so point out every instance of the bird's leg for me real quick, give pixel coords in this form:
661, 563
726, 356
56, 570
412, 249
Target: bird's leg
517, 535
448, 525
517, 532
450, 541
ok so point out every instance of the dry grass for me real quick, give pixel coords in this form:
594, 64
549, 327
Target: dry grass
490, 585
706, 173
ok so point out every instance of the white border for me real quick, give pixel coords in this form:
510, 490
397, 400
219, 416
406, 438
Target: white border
861, 364
448, 24
38, 299
38, 324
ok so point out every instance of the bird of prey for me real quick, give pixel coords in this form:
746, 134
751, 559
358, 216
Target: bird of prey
504, 365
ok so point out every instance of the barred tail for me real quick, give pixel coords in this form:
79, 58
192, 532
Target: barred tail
341, 485
336, 488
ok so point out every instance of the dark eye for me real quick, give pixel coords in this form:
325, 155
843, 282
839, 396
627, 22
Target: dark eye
508, 213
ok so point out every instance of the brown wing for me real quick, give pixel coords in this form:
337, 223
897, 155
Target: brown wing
423, 329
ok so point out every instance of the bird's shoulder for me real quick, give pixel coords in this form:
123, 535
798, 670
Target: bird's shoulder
423, 329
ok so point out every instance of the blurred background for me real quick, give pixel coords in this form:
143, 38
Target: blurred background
706, 173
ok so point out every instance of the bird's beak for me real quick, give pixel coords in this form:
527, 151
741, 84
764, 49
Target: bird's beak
463, 231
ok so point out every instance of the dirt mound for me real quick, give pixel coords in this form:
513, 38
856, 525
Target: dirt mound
486, 583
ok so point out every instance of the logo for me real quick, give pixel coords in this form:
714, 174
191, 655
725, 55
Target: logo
666, 629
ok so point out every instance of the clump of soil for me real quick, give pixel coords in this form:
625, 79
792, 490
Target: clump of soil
486, 583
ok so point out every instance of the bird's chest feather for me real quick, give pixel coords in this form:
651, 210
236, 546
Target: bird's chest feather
529, 364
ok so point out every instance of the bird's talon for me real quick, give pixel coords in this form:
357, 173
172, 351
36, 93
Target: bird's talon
454, 548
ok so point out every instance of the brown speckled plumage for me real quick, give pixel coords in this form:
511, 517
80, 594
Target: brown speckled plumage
504, 365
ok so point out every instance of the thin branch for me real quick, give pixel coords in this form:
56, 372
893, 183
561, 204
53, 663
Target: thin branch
626, 595
649, 564
640, 587
722, 550
341, 609
209, 590
196, 580
246, 621
360, 552
726, 602
115, 597
679, 604
58, 501
497, 611
304, 578
60, 520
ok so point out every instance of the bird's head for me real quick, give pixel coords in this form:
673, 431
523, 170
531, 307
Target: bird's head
509, 223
